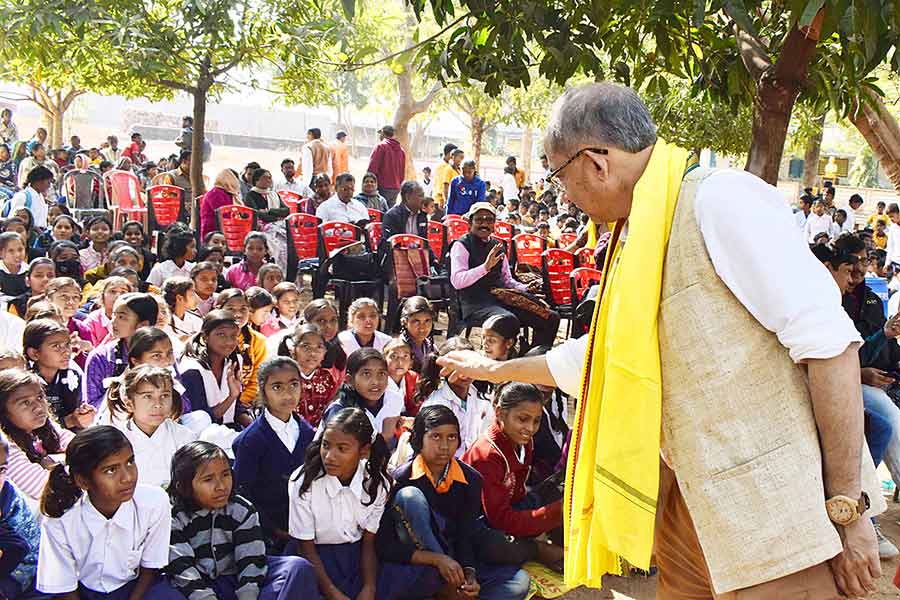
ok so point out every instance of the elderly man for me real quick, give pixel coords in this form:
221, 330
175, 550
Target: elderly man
478, 264
730, 360
342, 207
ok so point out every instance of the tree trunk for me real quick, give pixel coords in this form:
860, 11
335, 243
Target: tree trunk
811, 156
477, 132
48, 122
882, 133
58, 136
198, 188
527, 143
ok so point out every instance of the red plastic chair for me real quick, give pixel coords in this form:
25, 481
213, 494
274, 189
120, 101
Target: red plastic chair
235, 222
290, 199
375, 215
456, 227
527, 249
302, 245
585, 258
504, 232
374, 231
407, 240
166, 206
437, 239
123, 196
581, 280
567, 239
558, 265
334, 235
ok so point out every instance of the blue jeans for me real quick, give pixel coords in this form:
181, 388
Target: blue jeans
498, 582
877, 402
878, 435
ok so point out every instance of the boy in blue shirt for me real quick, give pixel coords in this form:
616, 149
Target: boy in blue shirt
465, 190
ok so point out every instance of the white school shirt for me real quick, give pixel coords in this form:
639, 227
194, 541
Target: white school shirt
334, 209
350, 344
216, 391
474, 418
333, 513
816, 225
893, 244
153, 453
189, 325
288, 432
104, 554
163, 270
780, 282
11, 330
849, 225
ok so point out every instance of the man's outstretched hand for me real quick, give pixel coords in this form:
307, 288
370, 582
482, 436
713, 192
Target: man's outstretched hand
467, 364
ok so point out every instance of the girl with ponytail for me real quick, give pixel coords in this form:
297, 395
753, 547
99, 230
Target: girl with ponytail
337, 499
251, 344
317, 386
322, 313
105, 536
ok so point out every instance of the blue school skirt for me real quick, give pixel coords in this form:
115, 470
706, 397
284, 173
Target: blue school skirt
161, 590
343, 563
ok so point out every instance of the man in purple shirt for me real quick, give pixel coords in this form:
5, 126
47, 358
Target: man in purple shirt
478, 264
388, 163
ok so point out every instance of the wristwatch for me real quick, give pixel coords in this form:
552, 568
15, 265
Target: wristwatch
843, 510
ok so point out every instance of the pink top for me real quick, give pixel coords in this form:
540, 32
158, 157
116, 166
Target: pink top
461, 276
98, 324
241, 276
213, 199
28, 476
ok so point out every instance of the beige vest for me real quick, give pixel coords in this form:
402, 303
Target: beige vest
738, 426
320, 156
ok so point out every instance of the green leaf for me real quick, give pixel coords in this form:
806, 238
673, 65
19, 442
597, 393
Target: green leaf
737, 11
349, 7
809, 13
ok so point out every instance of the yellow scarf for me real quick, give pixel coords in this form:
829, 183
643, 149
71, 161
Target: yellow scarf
612, 478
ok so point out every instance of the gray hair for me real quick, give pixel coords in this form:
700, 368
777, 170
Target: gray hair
602, 113
408, 187
343, 177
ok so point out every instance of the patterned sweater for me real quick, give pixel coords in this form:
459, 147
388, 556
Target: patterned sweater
207, 544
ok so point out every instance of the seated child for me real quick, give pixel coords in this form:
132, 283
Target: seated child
364, 318
207, 511
401, 380
271, 448
317, 387
19, 538
416, 327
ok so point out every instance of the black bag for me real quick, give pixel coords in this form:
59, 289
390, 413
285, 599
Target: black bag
355, 267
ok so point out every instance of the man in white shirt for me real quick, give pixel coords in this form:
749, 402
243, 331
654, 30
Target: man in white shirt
601, 138
342, 207
817, 222
287, 181
801, 215
855, 203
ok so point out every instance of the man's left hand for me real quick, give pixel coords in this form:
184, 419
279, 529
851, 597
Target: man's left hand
857, 568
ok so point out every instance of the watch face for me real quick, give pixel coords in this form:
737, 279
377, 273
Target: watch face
840, 511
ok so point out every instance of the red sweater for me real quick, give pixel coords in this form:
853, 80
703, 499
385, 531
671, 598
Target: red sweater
316, 393
494, 456
388, 162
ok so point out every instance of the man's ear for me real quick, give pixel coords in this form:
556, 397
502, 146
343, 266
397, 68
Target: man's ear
600, 164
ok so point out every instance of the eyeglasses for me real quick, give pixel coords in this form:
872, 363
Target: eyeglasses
553, 177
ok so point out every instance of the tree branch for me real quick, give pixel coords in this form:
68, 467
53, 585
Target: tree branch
177, 85
753, 54
422, 105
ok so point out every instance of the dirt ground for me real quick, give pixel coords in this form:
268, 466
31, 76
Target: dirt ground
645, 589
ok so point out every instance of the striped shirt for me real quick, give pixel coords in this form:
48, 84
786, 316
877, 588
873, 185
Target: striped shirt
208, 544
30, 477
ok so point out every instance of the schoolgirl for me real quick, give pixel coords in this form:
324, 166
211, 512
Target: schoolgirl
251, 344
416, 326
322, 313
133, 233
148, 396
216, 256
364, 318
47, 347
269, 276
211, 367
364, 388
245, 273
99, 321
273, 447
99, 230
473, 412
63, 227
317, 386
503, 456
401, 379
65, 257
207, 513
205, 275
130, 312
13, 265
65, 294
181, 299
287, 307
40, 272
20, 537
499, 336
432, 535
337, 499
180, 248
36, 440
105, 535
261, 304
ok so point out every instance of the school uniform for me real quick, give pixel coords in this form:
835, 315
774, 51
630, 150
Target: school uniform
90, 258
406, 389
441, 515
418, 352
504, 469
163, 270
474, 413
189, 325
220, 554
265, 455
335, 517
20, 536
252, 347
13, 284
205, 392
317, 390
350, 343
153, 453
103, 363
30, 477
100, 558
389, 406
64, 391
